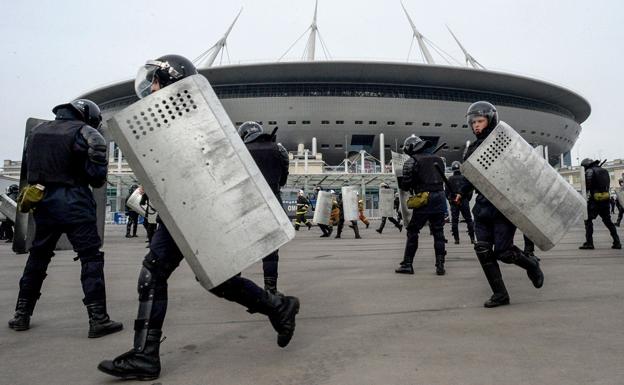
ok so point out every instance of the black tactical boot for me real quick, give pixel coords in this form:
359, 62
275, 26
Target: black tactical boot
356, 230
440, 265
309, 225
379, 230
296, 227
405, 268
497, 300
587, 246
400, 228
457, 240
493, 274
23, 310
531, 265
616, 245
281, 311
270, 285
143, 364
100, 323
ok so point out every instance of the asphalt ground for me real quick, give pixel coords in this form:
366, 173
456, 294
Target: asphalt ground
360, 323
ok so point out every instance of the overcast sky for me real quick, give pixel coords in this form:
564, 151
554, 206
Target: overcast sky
53, 51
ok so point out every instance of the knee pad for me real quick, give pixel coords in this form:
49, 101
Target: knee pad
482, 247
151, 285
510, 255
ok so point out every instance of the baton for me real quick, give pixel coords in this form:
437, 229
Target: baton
273, 133
603, 162
439, 148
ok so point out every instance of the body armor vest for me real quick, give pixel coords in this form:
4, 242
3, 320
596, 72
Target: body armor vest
601, 181
423, 175
269, 160
50, 158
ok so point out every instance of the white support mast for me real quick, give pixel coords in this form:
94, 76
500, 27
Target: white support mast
207, 58
420, 38
311, 46
469, 59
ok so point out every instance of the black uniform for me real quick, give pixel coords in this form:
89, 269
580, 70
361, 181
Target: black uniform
456, 181
420, 175
58, 157
597, 180
273, 163
495, 233
133, 218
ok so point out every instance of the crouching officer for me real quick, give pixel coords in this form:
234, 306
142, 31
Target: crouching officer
272, 159
424, 181
597, 180
6, 228
65, 156
456, 181
143, 361
494, 231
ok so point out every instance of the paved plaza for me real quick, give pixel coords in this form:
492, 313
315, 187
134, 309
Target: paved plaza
360, 323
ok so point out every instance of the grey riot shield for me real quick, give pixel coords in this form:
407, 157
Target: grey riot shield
397, 168
350, 203
620, 197
386, 202
219, 209
146, 211
584, 191
524, 187
2, 217
323, 208
8, 207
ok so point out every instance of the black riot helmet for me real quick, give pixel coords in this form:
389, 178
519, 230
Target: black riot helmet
166, 70
250, 131
87, 111
588, 162
13, 189
484, 109
413, 144
455, 166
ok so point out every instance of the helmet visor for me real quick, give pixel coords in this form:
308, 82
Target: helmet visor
144, 80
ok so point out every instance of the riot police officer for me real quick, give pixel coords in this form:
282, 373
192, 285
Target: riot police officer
341, 220
6, 228
456, 181
396, 223
66, 156
597, 180
143, 361
325, 229
422, 179
132, 216
494, 232
272, 159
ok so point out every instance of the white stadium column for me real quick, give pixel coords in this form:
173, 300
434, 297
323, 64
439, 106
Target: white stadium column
314, 148
382, 152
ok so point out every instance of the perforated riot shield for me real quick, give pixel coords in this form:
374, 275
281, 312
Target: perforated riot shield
397, 168
323, 208
386, 202
8, 207
219, 209
524, 187
350, 203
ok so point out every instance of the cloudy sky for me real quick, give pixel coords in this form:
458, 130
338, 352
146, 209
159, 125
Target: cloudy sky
53, 51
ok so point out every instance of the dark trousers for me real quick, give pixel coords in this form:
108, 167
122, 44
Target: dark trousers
85, 241
354, 226
133, 220
383, 223
595, 209
164, 257
269, 265
620, 213
6, 229
496, 230
464, 209
325, 229
418, 221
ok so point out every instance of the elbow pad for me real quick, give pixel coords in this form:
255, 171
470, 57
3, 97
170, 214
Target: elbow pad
96, 145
